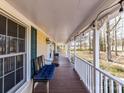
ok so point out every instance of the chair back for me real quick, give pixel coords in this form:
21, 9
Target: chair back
43, 59
40, 61
36, 66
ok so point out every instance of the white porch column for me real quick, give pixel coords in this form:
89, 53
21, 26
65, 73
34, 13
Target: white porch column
74, 51
69, 51
96, 59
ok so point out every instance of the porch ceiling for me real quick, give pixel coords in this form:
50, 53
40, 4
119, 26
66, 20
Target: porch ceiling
59, 18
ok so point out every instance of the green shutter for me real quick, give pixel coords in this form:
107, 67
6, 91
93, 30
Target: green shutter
33, 47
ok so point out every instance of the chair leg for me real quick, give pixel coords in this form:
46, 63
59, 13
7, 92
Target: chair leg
33, 87
47, 86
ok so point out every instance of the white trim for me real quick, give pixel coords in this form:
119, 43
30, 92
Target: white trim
12, 54
25, 87
28, 47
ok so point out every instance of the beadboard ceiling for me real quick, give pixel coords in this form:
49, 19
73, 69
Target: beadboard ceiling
59, 18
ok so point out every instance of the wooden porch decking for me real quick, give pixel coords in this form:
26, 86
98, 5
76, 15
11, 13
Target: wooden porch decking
66, 80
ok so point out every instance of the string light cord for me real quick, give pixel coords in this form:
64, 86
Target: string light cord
93, 22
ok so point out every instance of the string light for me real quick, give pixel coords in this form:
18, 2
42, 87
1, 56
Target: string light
93, 22
121, 4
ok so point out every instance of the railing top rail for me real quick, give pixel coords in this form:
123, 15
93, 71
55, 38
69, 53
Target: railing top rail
85, 61
105, 73
118, 80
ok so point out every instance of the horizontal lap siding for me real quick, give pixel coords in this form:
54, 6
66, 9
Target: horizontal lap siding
41, 44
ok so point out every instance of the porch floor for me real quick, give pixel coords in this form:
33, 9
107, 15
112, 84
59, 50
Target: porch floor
66, 80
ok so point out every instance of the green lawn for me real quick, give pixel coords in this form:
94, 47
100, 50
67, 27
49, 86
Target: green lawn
116, 69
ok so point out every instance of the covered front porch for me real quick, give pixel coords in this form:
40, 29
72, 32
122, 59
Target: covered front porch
87, 35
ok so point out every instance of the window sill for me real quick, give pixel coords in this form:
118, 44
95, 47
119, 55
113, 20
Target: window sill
25, 88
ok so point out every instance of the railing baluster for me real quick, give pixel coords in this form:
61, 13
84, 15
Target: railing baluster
93, 80
88, 76
106, 85
82, 71
86, 72
111, 89
119, 88
101, 83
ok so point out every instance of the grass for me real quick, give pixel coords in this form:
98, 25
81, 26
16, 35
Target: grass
113, 68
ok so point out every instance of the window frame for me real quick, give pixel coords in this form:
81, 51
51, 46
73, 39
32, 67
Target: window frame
18, 22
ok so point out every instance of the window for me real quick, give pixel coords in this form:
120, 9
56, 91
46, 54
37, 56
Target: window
1, 67
21, 44
9, 81
11, 45
19, 75
2, 25
9, 65
12, 28
2, 44
12, 55
21, 32
1, 83
19, 61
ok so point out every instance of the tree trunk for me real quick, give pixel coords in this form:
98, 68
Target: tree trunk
116, 40
113, 36
80, 43
101, 41
104, 41
89, 42
108, 43
122, 44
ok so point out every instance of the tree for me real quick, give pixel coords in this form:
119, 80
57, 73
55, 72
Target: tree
90, 42
101, 41
108, 42
104, 36
80, 41
115, 39
122, 44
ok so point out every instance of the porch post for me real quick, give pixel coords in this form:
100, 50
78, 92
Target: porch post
74, 51
69, 51
96, 58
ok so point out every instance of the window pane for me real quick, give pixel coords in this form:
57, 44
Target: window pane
21, 32
19, 75
12, 28
12, 45
19, 61
21, 45
2, 45
1, 85
2, 25
9, 82
9, 65
1, 67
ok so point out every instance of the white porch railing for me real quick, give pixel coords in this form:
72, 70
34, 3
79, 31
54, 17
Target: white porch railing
107, 82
